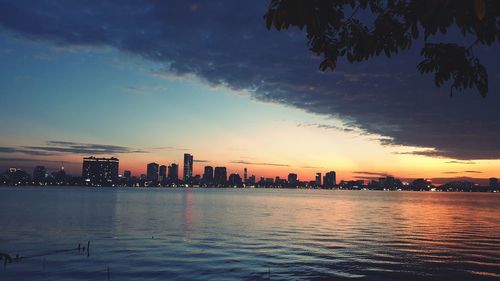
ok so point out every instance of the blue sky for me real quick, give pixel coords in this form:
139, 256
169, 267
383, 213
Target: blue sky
157, 79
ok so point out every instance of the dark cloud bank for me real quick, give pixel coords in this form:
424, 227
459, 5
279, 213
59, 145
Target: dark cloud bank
226, 43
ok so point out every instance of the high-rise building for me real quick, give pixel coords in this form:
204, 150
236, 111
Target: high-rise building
330, 179
251, 180
152, 172
127, 175
100, 170
39, 173
245, 176
493, 182
220, 176
208, 175
235, 180
173, 172
163, 173
318, 179
188, 167
292, 180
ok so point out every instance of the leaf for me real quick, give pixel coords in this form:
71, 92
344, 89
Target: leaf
480, 7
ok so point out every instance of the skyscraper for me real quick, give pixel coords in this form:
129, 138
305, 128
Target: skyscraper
173, 172
493, 182
188, 167
330, 179
220, 176
100, 170
245, 176
208, 175
235, 180
292, 180
127, 175
163, 173
318, 179
152, 172
39, 173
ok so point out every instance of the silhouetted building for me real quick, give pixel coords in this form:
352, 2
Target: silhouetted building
292, 180
60, 176
245, 176
188, 167
173, 172
163, 173
127, 175
100, 170
235, 180
330, 179
318, 179
152, 172
251, 180
220, 176
16, 177
39, 173
279, 182
494, 183
208, 175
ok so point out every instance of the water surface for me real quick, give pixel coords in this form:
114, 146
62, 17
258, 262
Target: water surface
250, 234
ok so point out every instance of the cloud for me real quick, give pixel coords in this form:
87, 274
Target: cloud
462, 172
460, 162
201, 161
311, 167
12, 159
170, 148
328, 127
65, 147
4, 149
25, 150
144, 90
225, 43
259, 163
366, 174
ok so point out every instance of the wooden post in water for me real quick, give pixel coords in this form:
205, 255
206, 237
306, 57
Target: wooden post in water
109, 275
88, 248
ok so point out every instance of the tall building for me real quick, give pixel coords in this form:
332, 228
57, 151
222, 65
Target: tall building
39, 173
318, 179
245, 176
127, 175
330, 179
188, 167
493, 182
292, 180
173, 172
163, 173
251, 180
100, 170
220, 176
208, 175
235, 180
152, 172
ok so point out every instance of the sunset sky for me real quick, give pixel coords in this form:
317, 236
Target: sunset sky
148, 81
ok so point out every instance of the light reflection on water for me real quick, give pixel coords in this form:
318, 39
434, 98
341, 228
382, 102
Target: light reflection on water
251, 234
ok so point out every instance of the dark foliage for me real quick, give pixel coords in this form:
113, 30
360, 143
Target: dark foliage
361, 29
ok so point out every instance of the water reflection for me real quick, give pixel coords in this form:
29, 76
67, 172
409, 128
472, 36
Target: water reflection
218, 234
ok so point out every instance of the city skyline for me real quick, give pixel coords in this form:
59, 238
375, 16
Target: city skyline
158, 172
81, 93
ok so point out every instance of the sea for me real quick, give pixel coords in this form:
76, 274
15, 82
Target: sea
87, 233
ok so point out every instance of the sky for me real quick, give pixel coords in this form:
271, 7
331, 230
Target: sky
147, 81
